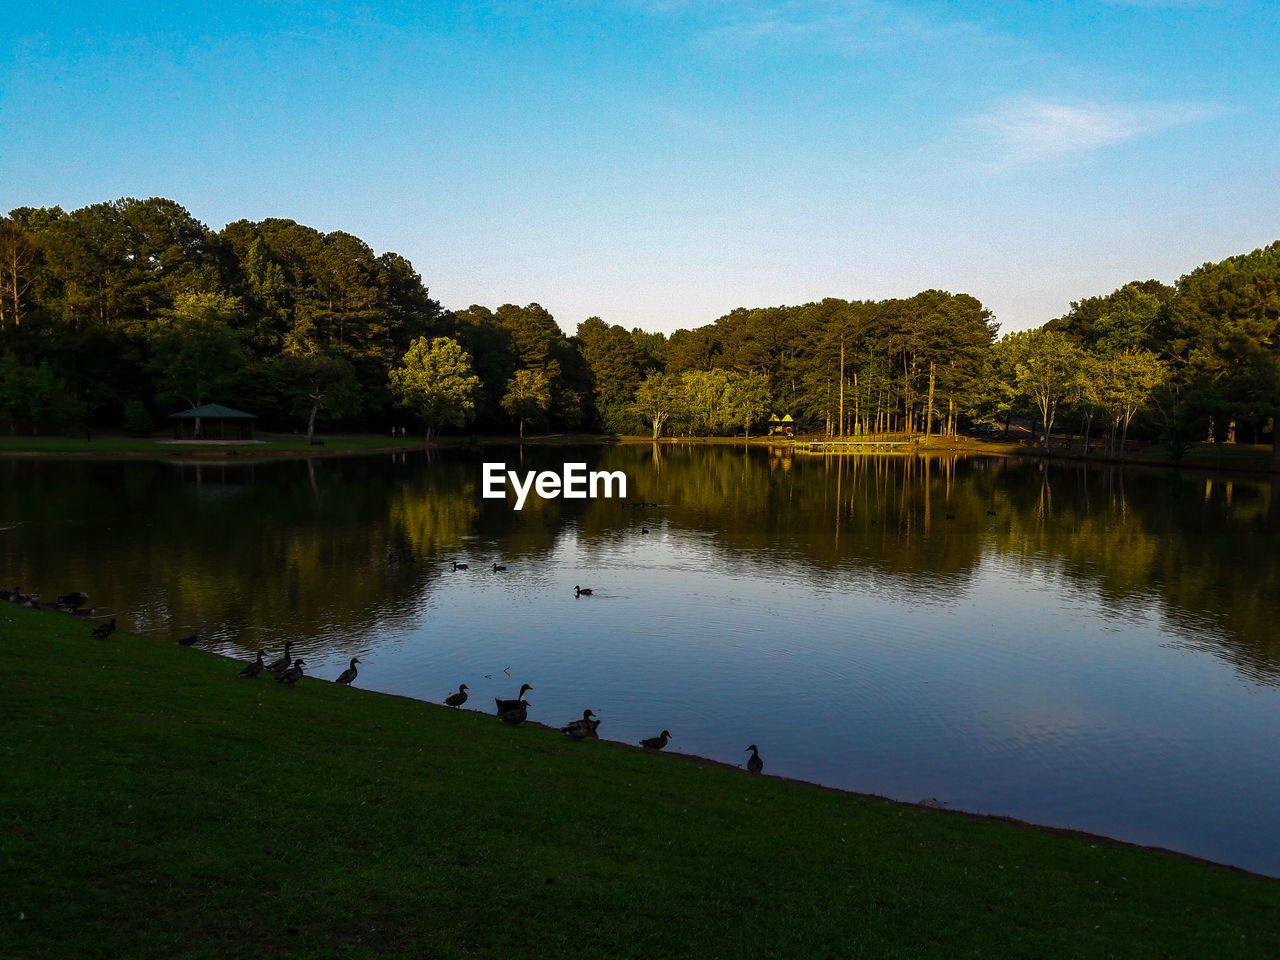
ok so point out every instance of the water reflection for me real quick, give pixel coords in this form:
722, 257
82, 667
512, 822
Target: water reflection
1081, 646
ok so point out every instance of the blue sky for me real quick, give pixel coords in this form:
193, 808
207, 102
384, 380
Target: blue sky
658, 162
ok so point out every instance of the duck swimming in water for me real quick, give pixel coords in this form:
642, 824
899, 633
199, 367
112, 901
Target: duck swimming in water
582, 591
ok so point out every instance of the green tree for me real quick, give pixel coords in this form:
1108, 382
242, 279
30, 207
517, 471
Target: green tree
33, 397
1125, 383
541, 345
657, 399
528, 397
749, 399
1086, 392
1224, 338
137, 421
436, 381
615, 363
997, 396
703, 396
198, 351
321, 382
1130, 318
19, 256
1047, 364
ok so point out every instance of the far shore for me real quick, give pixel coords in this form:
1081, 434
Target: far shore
1238, 458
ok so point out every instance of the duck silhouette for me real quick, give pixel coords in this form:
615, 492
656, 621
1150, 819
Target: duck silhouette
349, 674
515, 715
280, 666
251, 670
292, 675
513, 704
457, 699
582, 728
658, 742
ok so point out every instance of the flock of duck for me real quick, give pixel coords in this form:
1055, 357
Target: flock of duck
288, 671
514, 711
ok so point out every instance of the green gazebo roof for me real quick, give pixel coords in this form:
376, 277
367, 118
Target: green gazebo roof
213, 411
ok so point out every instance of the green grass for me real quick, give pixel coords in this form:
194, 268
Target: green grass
111, 444
152, 804
273, 444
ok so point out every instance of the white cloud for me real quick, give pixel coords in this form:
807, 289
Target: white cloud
1025, 130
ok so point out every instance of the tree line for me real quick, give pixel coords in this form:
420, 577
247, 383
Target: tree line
123, 312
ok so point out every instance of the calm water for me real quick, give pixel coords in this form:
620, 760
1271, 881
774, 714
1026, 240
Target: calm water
1088, 648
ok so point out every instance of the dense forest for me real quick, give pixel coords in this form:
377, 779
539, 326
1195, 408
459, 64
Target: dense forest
121, 313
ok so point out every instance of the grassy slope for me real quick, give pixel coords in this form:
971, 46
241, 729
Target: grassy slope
152, 804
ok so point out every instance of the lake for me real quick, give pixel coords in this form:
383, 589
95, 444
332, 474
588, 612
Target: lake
1079, 646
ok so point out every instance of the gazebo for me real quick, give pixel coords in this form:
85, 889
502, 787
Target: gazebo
784, 427
212, 422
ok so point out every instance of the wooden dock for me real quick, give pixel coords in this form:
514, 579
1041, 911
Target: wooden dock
888, 444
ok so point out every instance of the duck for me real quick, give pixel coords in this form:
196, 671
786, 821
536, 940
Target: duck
515, 715
292, 675
457, 699
582, 591
512, 704
104, 630
281, 665
754, 764
658, 742
251, 670
459, 566
189, 641
349, 674
583, 728
498, 568
73, 600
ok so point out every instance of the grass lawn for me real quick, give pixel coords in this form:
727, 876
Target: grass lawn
273, 444
153, 805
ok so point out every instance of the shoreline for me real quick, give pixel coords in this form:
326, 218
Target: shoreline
697, 759
324, 821
1214, 458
